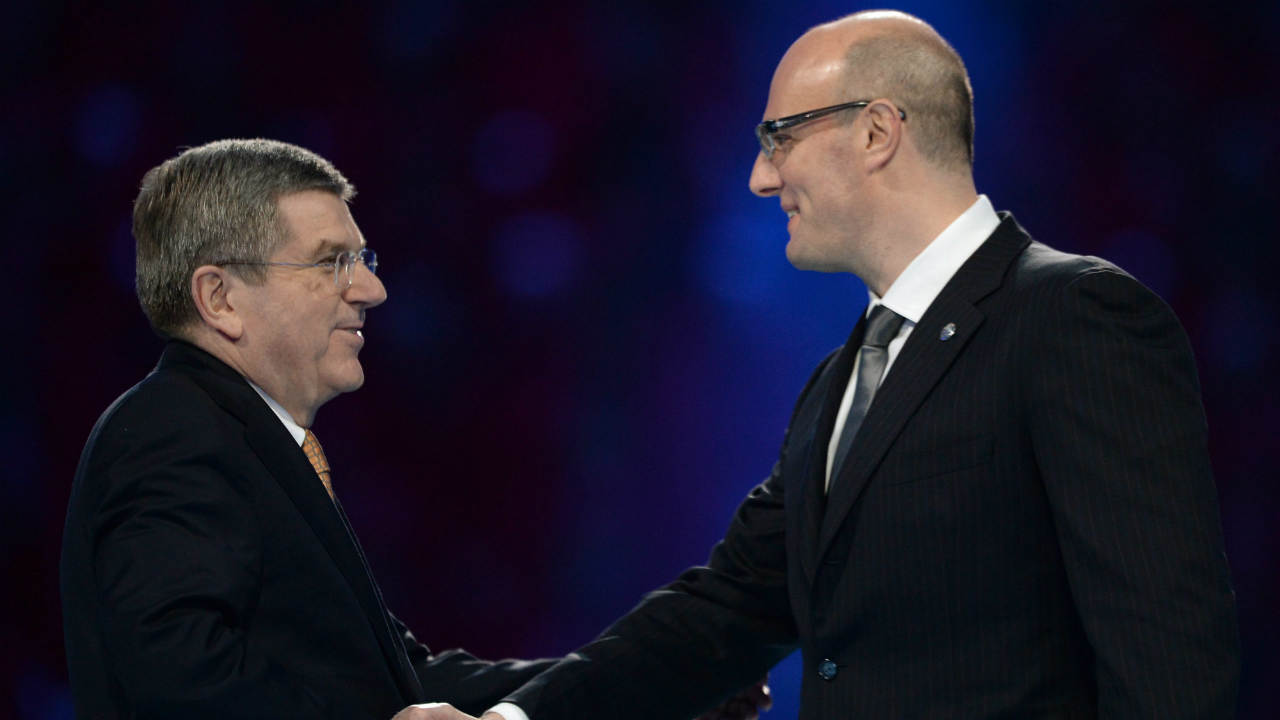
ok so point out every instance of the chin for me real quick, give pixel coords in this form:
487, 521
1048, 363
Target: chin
346, 379
802, 260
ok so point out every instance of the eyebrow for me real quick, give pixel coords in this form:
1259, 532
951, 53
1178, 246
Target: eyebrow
329, 248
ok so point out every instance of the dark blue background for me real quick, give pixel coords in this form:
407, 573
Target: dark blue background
593, 338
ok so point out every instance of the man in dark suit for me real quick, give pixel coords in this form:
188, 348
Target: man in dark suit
994, 501
208, 569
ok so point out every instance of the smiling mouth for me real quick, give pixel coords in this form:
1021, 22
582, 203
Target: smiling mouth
792, 213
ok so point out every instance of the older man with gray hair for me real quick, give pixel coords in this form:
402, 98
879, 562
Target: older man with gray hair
208, 568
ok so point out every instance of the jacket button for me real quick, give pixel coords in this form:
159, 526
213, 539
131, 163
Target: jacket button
827, 669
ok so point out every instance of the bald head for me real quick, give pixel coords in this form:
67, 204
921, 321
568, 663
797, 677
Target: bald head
892, 55
865, 190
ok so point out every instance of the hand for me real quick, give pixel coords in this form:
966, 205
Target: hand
432, 711
746, 705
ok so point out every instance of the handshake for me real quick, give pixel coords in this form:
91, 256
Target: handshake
440, 711
746, 705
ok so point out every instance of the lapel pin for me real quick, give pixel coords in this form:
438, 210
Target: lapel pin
948, 332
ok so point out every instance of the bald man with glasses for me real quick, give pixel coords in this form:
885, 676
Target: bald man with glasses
994, 501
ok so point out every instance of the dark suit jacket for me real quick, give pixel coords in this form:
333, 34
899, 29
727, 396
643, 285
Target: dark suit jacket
1026, 527
206, 573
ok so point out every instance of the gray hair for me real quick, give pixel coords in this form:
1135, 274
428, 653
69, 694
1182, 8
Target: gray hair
212, 204
923, 74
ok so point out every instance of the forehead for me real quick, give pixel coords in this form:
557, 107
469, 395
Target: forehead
317, 219
810, 75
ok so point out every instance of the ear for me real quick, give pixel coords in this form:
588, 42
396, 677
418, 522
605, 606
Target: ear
883, 132
211, 291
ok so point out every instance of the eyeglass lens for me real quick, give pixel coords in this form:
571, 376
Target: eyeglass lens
345, 267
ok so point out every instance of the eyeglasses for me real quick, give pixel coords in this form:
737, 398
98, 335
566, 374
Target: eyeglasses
343, 265
767, 131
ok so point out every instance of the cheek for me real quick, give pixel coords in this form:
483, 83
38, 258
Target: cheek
825, 183
837, 193
315, 330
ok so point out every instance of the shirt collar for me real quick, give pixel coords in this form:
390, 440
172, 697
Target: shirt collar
915, 289
299, 434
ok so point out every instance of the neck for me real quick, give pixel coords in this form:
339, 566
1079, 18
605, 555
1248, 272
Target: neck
277, 387
915, 212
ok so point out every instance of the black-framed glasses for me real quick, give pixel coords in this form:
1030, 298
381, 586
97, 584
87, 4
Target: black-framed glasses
767, 131
343, 265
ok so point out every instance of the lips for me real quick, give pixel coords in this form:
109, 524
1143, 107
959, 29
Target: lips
792, 213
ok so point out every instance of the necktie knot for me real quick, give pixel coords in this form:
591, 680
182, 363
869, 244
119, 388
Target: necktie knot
882, 327
315, 455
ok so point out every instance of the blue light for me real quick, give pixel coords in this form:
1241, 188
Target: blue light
536, 254
740, 255
39, 697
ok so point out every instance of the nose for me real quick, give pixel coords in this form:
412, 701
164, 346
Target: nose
764, 180
366, 289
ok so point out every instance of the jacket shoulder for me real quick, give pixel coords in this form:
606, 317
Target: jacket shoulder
164, 401
1040, 264
165, 415
1043, 274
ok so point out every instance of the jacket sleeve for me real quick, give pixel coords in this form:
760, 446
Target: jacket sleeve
468, 683
688, 646
1119, 434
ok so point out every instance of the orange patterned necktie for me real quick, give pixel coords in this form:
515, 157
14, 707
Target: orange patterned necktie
315, 453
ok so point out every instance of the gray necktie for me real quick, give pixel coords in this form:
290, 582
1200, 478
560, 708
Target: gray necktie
873, 356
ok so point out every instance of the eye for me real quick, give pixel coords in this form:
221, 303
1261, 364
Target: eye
781, 139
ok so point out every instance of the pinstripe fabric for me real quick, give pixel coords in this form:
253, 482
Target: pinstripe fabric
1025, 527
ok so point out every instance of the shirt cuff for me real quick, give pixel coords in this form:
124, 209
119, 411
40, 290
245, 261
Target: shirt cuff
508, 711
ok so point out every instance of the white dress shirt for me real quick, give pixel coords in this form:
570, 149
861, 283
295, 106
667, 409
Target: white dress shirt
509, 711
915, 289
298, 432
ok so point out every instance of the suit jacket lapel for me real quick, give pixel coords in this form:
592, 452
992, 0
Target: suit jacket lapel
286, 462
811, 429
289, 466
922, 362
834, 382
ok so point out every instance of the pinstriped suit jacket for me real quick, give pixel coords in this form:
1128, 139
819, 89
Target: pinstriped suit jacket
1026, 527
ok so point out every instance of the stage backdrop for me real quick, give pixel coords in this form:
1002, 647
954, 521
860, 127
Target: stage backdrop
593, 339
